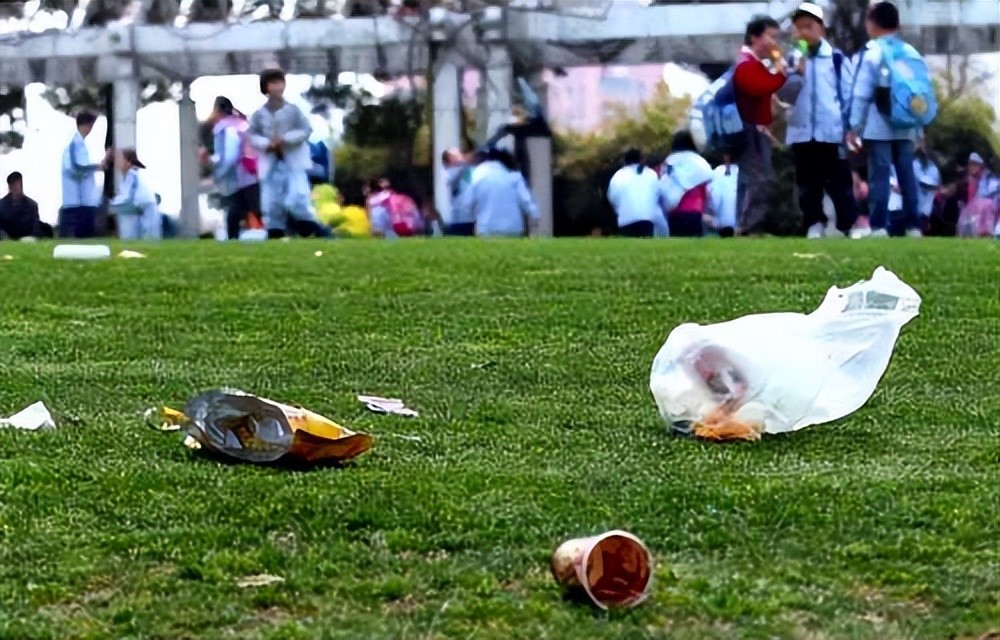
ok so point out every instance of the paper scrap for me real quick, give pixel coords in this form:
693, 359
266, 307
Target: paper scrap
261, 580
128, 253
806, 256
318, 254
393, 406
8, 257
33, 418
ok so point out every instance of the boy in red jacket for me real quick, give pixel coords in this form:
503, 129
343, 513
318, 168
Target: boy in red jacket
759, 74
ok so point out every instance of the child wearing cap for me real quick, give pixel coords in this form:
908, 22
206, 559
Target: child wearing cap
816, 128
135, 207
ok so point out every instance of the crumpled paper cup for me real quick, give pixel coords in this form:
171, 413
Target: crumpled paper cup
612, 570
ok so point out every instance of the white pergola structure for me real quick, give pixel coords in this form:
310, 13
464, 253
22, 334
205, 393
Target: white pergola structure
496, 38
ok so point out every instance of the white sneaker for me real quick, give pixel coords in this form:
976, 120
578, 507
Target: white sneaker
914, 233
816, 231
879, 233
857, 233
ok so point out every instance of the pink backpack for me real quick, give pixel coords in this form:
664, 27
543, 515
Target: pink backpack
404, 215
248, 155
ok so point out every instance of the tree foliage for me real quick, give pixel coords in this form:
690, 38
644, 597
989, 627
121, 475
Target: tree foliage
964, 124
650, 128
846, 24
12, 122
584, 162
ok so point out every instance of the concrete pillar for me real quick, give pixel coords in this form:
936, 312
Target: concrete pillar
190, 218
494, 100
540, 154
447, 129
541, 87
125, 105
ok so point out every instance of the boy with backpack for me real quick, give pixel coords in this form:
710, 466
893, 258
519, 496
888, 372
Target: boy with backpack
892, 100
759, 74
816, 125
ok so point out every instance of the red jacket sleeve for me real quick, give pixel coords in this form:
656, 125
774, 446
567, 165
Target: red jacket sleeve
752, 79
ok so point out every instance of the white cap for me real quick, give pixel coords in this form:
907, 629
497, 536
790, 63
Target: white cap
975, 158
809, 9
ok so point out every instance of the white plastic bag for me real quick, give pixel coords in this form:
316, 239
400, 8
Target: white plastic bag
780, 372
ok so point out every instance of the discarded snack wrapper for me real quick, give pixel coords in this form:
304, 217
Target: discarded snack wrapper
613, 570
32, 418
395, 406
780, 372
255, 429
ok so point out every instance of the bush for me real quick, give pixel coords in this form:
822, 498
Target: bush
964, 124
585, 162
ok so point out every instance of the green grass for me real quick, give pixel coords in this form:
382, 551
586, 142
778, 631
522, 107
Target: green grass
883, 525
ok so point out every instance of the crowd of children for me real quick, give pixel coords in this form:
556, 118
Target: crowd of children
275, 183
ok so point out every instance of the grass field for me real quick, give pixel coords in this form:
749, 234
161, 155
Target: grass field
884, 525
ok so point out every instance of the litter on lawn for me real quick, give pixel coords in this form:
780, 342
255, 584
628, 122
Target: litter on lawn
32, 418
128, 253
252, 429
780, 372
81, 252
261, 580
611, 570
393, 406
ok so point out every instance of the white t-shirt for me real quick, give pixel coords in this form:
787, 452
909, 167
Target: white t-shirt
634, 195
722, 195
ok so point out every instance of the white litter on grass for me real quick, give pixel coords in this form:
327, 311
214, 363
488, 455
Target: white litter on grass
81, 252
261, 580
393, 406
128, 253
399, 436
33, 418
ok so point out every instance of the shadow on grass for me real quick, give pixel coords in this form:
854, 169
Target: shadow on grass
295, 466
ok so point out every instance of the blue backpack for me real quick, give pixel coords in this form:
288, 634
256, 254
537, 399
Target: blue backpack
715, 119
910, 101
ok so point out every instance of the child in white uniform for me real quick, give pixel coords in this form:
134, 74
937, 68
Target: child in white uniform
279, 131
136, 212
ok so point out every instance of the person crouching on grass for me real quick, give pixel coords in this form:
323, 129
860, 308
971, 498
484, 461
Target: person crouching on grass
137, 215
280, 132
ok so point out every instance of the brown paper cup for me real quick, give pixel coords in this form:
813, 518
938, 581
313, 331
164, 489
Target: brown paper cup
613, 570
